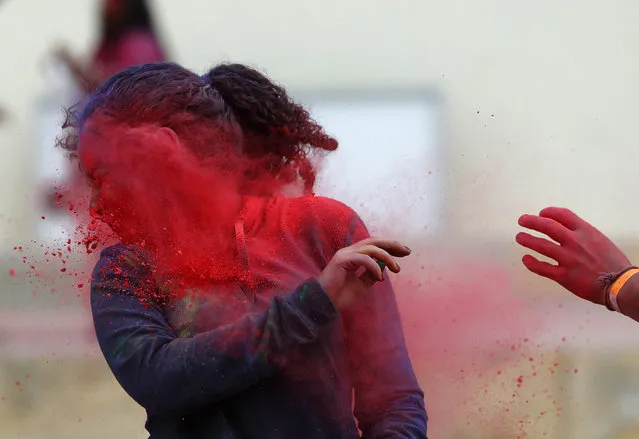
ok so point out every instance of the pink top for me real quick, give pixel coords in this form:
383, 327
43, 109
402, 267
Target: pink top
134, 48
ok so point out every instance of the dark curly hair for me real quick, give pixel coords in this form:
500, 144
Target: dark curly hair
231, 100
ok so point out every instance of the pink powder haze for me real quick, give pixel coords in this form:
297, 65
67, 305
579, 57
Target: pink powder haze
472, 341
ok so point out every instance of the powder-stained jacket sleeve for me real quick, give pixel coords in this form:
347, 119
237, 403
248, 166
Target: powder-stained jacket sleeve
167, 374
389, 402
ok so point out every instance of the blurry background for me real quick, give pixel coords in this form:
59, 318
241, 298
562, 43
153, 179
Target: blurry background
480, 110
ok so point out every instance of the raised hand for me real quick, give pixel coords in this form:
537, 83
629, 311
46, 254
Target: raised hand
354, 269
582, 252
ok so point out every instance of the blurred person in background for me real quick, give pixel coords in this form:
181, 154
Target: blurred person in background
288, 328
128, 37
588, 263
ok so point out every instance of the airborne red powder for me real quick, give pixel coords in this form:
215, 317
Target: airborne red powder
465, 333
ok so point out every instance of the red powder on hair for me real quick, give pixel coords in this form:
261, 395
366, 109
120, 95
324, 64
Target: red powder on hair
156, 195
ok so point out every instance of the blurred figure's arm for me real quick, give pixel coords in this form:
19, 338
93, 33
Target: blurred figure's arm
136, 48
86, 77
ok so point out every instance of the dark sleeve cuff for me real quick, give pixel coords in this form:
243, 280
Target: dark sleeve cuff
311, 300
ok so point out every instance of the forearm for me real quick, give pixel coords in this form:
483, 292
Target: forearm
164, 373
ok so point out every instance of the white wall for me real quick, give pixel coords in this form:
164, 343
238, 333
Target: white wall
540, 96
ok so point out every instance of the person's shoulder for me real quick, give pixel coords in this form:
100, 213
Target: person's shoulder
327, 216
122, 252
120, 259
323, 207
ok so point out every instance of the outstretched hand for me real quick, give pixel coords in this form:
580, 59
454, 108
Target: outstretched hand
582, 252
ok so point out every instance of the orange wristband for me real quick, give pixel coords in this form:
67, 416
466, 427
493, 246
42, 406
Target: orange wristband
618, 284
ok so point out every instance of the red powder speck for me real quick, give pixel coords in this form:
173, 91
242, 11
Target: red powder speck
43, 217
80, 285
63, 270
12, 272
17, 383
576, 370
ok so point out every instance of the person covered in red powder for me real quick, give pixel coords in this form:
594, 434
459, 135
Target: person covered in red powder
588, 264
127, 38
228, 310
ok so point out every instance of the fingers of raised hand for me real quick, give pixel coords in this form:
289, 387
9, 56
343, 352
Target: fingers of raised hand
549, 227
392, 247
544, 269
380, 255
357, 260
542, 246
563, 216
